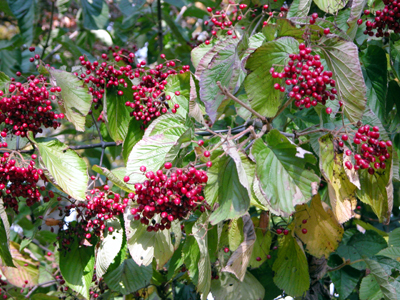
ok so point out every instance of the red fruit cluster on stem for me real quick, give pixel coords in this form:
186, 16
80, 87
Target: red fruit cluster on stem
149, 100
373, 151
307, 79
172, 194
385, 19
27, 107
19, 181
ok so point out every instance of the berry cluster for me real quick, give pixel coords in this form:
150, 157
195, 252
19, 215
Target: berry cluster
91, 216
18, 182
27, 107
172, 194
226, 19
373, 151
385, 20
148, 101
309, 81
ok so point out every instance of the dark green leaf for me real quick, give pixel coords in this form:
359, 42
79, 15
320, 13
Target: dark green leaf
129, 277
95, 14
362, 244
345, 280
259, 84
4, 79
299, 8
5, 237
24, 11
134, 135
374, 67
77, 267
282, 171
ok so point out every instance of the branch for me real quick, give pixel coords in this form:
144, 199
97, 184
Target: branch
227, 93
160, 34
53, 4
44, 284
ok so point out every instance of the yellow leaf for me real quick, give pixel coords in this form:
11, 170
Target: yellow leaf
324, 232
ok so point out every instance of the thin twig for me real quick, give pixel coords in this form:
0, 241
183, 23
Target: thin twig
53, 4
103, 148
44, 284
227, 93
160, 34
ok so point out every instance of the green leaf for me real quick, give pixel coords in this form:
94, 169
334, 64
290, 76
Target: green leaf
291, 268
391, 252
282, 171
259, 84
362, 244
129, 277
342, 59
117, 114
345, 280
395, 57
229, 287
24, 11
199, 232
357, 7
330, 6
377, 190
130, 7
324, 232
369, 289
153, 150
62, 6
181, 83
235, 234
176, 29
116, 176
341, 189
144, 246
75, 96
265, 275
224, 67
5, 237
394, 238
95, 14
225, 188
133, 136
299, 8
261, 247
77, 267
64, 167
4, 79
200, 51
109, 247
382, 278
374, 67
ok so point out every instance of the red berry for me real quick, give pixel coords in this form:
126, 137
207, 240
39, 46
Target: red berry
304, 231
359, 21
348, 165
226, 249
366, 12
126, 178
327, 31
328, 110
304, 221
209, 164
162, 56
279, 231
389, 143
168, 165
286, 232
200, 143
258, 258
49, 253
207, 153
314, 15
345, 137
268, 256
31, 49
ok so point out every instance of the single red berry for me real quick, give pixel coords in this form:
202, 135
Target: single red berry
366, 12
265, 6
286, 232
258, 258
359, 21
126, 178
162, 56
314, 15
348, 165
226, 249
110, 229
327, 31
345, 137
168, 165
209, 9
304, 221
207, 153
304, 231
177, 93
279, 231
31, 49
389, 143
142, 169
49, 253
200, 143
268, 256
328, 110
209, 164
34, 156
